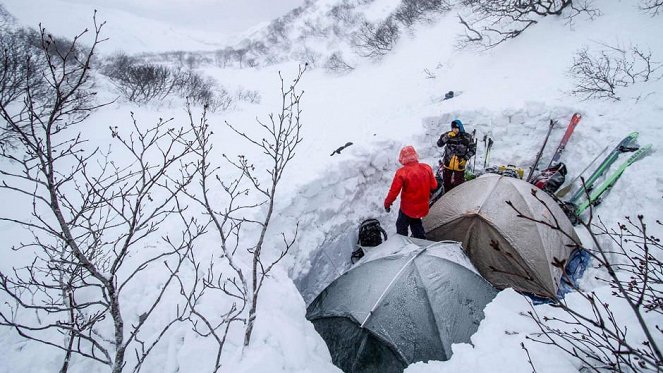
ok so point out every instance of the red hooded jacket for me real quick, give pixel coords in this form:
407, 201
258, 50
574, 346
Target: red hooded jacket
414, 181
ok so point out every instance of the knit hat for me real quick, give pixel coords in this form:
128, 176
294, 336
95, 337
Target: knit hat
458, 124
408, 155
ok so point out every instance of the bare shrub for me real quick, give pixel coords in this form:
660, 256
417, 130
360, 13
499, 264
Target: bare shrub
89, 216
591, 332
376, 40
140, 82
307, 56
345, 18
598, 74
26, 56
242, 225
6, 19
312, 29
491, 22
336, 63
251, 96
343, 13
240, 55
21, 63
223, 57
198, 89
277, 32
653, 7
410, 12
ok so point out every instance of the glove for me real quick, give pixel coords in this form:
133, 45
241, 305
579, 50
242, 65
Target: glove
387, 209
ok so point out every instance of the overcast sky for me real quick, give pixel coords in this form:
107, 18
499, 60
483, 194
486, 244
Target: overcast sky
210, 15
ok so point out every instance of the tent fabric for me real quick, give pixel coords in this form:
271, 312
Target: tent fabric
410, 305
509, 251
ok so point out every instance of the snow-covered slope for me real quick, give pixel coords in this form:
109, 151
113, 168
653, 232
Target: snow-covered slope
510, 92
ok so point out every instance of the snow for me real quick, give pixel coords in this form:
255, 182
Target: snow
511, 92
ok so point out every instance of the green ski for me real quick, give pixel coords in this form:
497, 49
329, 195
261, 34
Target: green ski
612, 179
625, 145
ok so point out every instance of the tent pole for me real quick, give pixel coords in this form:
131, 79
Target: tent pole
375, 306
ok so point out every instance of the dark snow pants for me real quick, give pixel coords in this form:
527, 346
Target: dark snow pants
415, 224
452, 179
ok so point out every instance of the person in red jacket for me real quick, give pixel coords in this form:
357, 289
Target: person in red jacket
414, 181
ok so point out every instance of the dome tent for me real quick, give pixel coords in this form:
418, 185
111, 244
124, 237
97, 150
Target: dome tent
407, 300
508, 251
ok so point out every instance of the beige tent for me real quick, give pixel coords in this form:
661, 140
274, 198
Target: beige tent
507, 250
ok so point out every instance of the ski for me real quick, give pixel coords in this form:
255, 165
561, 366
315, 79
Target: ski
538, 156
564, 191
596, 194
575, 119
627, 144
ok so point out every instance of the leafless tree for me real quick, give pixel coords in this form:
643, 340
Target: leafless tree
595, 335
653, 7
599, 74
241, 223
91, 216
491, 22
376, 40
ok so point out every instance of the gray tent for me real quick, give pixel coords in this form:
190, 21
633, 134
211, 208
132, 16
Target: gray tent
411, 305
507, 250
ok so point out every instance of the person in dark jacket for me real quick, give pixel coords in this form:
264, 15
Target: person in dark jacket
459, 148
414, 181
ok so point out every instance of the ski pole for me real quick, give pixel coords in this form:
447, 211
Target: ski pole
486, 156
474, 166
538, 156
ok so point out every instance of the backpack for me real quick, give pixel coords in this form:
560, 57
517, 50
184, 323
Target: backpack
551, 178
370, 235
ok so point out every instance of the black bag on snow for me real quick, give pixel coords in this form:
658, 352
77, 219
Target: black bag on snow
551, 178
370, 235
